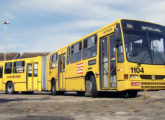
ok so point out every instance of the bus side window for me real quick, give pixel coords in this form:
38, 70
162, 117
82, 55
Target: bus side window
19, 67
54, 60
120, 54
1, 71
90, 47
76, 52
68, 55
8, 67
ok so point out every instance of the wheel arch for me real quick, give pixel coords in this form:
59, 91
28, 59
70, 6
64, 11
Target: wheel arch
6, 89
88, 74
53, 82
90, 78
9, 81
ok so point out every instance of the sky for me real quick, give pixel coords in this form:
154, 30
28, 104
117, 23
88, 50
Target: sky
48, 25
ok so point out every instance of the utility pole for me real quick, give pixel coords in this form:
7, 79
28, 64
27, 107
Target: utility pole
5, 42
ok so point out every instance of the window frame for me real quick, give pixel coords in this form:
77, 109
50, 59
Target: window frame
35, 75
1, 71
90, 47
11, 66
30, 70
73, 53
15, 67
55, 62
68, 55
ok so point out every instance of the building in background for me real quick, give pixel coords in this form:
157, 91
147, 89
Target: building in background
10, 56
17, 55
33, 54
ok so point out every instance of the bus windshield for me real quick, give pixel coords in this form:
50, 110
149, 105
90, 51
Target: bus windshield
145, 45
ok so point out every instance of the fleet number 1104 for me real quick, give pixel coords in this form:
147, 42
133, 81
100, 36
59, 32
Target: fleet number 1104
137, 70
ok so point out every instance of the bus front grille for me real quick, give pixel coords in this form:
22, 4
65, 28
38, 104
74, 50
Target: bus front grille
155, 77
153, 85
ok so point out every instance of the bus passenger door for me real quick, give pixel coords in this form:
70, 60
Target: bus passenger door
29, 77
1, 77
108, 62
35, 76
113, 79
61, 71
104, 64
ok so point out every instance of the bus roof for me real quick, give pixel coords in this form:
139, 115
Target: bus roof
95, 32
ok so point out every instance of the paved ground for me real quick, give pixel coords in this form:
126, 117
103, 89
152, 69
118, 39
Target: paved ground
42, 106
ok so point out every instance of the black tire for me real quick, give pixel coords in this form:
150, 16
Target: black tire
80, 93
90, 87
60, 93
31, 92
10, 88
53, 89
28, 92
16, 92
130, 94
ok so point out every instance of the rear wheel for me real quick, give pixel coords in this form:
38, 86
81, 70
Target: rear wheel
10, 88
90, 87
80, 93
60, 92
28, 92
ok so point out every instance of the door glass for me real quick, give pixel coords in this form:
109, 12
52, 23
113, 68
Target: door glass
112, 62
61, 63
61, 82
64, 63
35, 69
29, 70
1, 71
104, 63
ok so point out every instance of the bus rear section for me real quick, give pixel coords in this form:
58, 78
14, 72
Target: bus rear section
23, 75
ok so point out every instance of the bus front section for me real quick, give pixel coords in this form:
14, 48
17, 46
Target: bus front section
140, 56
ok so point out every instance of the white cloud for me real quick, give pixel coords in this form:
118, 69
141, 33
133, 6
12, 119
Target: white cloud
94, 9
86, 16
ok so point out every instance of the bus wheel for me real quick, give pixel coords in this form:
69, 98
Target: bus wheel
28, 92
53, 89
60, 93
90, 87
10, 88
80, 93
131, 94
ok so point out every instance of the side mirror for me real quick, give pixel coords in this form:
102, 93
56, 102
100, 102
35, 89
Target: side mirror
117, 36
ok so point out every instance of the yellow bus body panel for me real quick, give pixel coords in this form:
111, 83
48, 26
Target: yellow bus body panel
21, 81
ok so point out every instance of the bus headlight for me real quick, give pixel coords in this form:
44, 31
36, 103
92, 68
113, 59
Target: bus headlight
134, 76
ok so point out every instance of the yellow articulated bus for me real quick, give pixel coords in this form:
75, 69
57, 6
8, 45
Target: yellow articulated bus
23, 75
127, 55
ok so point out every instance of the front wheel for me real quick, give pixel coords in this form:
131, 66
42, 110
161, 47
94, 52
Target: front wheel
131, 94
10, 88
90, 87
